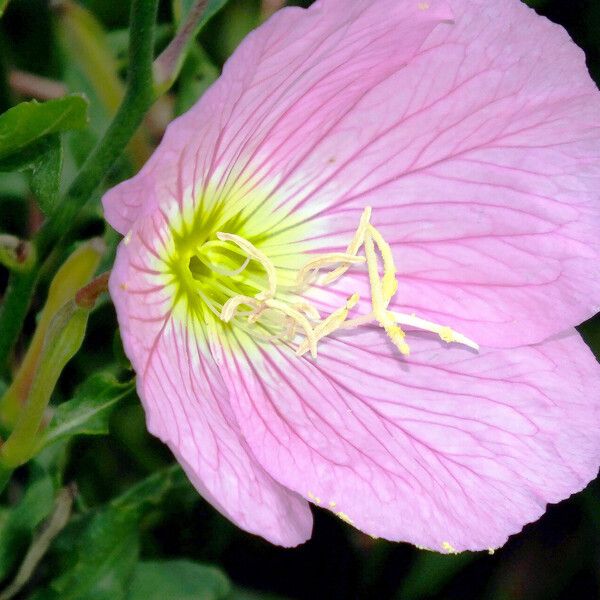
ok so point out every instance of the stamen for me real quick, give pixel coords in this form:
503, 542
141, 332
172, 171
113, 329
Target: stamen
256, 314
397, 335
211, 305
254, 253
228, 272
332, 323
447, 334
230, 307
379, 301
300, 319
353, 247
389, 281
313, 266
290, 330
309, 310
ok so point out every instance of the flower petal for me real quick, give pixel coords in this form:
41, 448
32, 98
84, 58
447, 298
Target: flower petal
478, 145
186, 401
448, 450
298, 58
481, 159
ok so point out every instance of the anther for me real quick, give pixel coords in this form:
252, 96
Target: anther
378, 300
335, 258
389, 283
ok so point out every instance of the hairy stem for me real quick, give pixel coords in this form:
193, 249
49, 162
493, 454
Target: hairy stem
139, 97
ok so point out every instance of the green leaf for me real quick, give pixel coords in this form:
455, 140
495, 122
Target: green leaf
99, 551
42, 160
46, 174
151, 491
178, 580
18, 523
28, 122
89, 411
102, 559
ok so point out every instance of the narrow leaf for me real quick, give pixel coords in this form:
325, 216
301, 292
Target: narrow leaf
89, 411
197, 74
102, 558
41, 543
46, 173
181, 8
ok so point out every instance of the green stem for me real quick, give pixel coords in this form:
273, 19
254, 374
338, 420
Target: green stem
14, 310
138, 99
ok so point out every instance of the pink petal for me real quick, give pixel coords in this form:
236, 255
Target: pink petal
478, 145
447, 449
483, 169
477, 142
187, 404
298, 57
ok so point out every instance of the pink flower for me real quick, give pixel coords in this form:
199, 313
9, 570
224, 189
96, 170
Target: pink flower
457, 143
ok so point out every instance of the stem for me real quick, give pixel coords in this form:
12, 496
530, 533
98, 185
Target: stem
53, 526
138, 99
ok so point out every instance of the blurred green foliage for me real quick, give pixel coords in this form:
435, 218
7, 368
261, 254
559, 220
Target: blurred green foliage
139, 530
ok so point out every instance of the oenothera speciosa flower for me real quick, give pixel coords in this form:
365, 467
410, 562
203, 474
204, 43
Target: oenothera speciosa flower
351, 273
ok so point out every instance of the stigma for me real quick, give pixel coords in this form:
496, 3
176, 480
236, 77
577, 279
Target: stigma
277, 313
